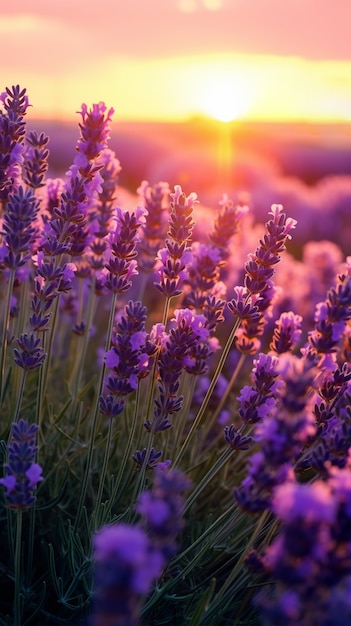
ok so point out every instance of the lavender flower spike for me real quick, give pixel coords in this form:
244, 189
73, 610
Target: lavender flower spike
162, 508
126, 565
176, 256
22, 472
122, 264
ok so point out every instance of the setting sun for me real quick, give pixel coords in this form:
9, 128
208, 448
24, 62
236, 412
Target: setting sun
224, 101
224, 90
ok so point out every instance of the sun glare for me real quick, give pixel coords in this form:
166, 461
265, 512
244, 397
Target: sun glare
225, 99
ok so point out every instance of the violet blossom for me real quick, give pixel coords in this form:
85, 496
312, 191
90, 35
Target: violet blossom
174, 259
177, 347
125, 567
22, 473
156, 201
12, 125
127, 359
122, 265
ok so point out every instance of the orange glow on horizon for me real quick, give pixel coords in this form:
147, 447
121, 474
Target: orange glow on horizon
224, 87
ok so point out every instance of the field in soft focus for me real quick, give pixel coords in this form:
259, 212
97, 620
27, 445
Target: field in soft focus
307, 167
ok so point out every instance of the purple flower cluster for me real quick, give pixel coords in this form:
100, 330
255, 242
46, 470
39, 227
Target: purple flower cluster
332, 417
126, 565
287, 426
179, 350
19, 229
253, 301
122, 265
174, 259
50, 280
287, 332
161, 509
260, 267
226, 225
29, 355
12, 127
332, 315
155, 198
68, 231
101, 214
204, 280
35, 162
310, 557
22, 472
258, 400
128, 559
128, 358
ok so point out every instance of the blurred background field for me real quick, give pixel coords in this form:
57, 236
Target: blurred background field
306, 167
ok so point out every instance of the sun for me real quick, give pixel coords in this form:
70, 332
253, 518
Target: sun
224, 100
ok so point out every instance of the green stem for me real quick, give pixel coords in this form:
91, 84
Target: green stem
221, 461
31, 543
17, 598
104, 466
44, 369
206, 539
80, 357
5, 327
238, 565
140, 482
20, 396
210, 423
141, 478
180, 421
154, 367
209, 392
95, 414
126, 453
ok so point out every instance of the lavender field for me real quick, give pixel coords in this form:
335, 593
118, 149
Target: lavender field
175, 372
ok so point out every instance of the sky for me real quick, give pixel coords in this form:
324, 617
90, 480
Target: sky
160, 60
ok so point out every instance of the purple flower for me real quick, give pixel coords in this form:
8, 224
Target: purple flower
125, 567
258, 401
226, 224
50, 280
310, 556
175, 257
153, 460
68, 231
35, 162
128, 358
179, 350
331, 413
235, 439
22, 472
287, 332
332, 315
312, 503
95, 130
101, 213
203, 274
286, 428
161, 509
29, 354
260, 267
156, 202
252, 303
18, 228
12, 127
122, 265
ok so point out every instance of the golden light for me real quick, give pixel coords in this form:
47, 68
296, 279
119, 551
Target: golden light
225, 98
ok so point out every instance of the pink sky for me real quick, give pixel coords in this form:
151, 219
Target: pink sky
137, 51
